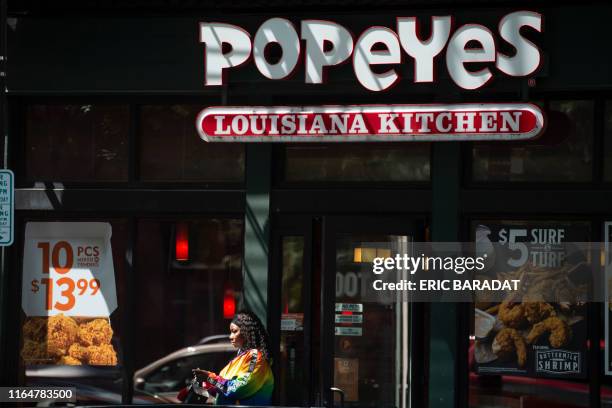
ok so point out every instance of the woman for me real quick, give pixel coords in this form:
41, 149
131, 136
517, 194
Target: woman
247, 379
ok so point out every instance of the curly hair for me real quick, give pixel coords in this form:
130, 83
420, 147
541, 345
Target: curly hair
254, 333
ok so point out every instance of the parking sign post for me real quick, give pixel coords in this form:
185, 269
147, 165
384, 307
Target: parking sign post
7, 207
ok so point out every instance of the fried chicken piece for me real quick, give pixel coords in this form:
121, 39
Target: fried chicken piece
34, 352
508, 342
537, 311
35, 328
560, 332
102, 355
78, 352
68, 360
512, 314
95, 333
62, 331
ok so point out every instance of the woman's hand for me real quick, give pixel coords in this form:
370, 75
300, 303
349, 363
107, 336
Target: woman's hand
200, 372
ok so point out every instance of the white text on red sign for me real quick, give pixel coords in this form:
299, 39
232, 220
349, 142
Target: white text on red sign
519, 121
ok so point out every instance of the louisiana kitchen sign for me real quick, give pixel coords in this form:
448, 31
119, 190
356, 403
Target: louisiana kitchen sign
377, 56
511, 121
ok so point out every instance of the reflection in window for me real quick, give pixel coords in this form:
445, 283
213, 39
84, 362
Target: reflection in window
176, 374
564, 153
189, 275
358, 162
606, 380
608, 142
292, 322
76, 143
172, 150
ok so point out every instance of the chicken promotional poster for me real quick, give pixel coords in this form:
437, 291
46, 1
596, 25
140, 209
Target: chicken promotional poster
541, 329
68, 294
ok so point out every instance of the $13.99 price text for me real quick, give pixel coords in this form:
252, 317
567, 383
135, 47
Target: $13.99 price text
66, 285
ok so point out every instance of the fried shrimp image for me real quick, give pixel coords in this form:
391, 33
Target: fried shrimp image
560, 332
508, 343
512, 314
537, 311
61, 333
95, 333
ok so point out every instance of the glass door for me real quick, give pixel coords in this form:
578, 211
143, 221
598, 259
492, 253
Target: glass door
339, 342
366, 356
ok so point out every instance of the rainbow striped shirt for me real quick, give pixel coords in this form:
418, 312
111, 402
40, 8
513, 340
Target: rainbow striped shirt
246, 380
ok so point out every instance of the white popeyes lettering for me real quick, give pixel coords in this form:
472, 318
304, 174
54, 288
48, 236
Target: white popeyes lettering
527, 57
423, 52
364, 56
215, 61
317, 33
280, 31
329, 44
457, 55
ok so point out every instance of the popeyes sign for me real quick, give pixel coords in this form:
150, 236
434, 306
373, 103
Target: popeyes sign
321, 45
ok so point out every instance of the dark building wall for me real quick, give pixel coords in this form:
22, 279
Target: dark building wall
120, 52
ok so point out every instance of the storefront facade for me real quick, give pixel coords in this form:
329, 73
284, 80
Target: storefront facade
101, 102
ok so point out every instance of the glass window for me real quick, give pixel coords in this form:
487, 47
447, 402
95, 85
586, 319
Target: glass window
358, 162
564, 153
534, 368
172, 150
76, 143
292, 322
189, 275
172, 376
67, 337
608, 142
371, 364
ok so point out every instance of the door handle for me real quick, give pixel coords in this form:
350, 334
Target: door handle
339, 391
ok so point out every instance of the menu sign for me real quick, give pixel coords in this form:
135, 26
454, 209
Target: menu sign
68, 269
68, 294
539, 330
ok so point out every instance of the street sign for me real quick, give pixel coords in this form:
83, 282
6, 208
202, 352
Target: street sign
7, 207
